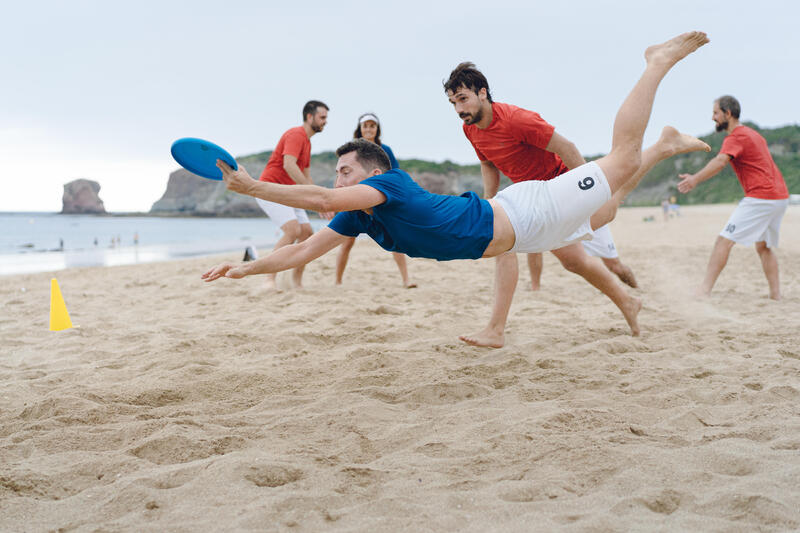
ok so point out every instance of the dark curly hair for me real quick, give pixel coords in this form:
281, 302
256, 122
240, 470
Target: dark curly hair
369, 155
467, 76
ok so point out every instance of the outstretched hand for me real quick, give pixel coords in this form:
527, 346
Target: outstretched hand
687, 183
236, 180
227, 269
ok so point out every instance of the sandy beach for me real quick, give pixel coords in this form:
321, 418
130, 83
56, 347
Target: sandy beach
184, 406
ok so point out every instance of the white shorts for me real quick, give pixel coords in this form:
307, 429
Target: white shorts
547, 215
756, 220
281, 214
602, 245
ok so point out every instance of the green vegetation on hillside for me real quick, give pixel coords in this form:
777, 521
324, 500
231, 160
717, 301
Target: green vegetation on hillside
660, 183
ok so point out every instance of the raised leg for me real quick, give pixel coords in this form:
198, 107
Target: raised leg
672, 142
631, 120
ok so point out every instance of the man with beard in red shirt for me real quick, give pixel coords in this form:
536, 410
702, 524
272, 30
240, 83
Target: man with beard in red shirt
523, 146
757, 218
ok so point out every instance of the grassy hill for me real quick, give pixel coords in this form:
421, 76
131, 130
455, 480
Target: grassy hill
660, 183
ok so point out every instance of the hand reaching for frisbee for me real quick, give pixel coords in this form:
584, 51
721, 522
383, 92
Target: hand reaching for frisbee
236, 180
227, 269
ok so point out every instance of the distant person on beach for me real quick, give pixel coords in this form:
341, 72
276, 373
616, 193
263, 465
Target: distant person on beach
523, 146
531, 216
288, 165
757, 218
369, 128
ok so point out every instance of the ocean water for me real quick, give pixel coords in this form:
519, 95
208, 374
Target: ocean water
39, 242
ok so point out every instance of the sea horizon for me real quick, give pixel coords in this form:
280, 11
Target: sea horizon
41, 241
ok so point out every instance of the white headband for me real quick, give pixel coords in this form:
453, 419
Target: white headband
369, 116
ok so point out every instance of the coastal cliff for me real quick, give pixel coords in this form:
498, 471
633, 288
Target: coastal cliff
82, 197
190, 195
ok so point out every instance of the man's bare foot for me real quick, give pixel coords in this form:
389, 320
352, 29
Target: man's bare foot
675, 142
487, 338
630, 310
409, 285
668, 53
535, 286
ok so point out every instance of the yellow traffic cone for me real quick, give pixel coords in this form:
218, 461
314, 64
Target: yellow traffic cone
59, 317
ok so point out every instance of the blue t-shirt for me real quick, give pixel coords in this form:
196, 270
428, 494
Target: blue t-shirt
418, 223
392, 158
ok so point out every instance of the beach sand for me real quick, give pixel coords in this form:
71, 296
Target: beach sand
184, 406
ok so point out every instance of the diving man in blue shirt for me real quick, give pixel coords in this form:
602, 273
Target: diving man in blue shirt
530, 216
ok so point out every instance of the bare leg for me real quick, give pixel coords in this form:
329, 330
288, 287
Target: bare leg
626, 146
719, 258
575, 259
672, 142
623, 272
535, 266
769, 262
291, 231
506, 274
297, 274
341, 258
400, 259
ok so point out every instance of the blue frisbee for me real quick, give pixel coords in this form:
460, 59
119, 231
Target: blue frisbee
200, 157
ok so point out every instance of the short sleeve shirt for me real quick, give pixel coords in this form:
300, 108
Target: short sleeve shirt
418, 223
515, 143
294, 142
392, 158
753, 164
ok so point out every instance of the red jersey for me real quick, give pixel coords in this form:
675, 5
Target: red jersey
515, 143
294, 142
753, 164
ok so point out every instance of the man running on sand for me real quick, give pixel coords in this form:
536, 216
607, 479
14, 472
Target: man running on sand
523, 146
532, 216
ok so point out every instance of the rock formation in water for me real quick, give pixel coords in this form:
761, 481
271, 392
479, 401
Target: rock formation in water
81, 197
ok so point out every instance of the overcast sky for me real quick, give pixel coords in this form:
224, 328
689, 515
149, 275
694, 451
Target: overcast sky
100, 90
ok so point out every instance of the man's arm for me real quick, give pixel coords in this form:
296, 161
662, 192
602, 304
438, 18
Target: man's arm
284, 258
566, 150
491, 179
712, 168
312, 197
291, 167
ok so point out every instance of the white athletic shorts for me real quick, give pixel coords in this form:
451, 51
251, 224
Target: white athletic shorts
281, 214
755, 220
547, 215
602, 245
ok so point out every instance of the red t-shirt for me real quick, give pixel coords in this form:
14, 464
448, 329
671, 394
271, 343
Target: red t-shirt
515, 143
753, 164
294, 142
